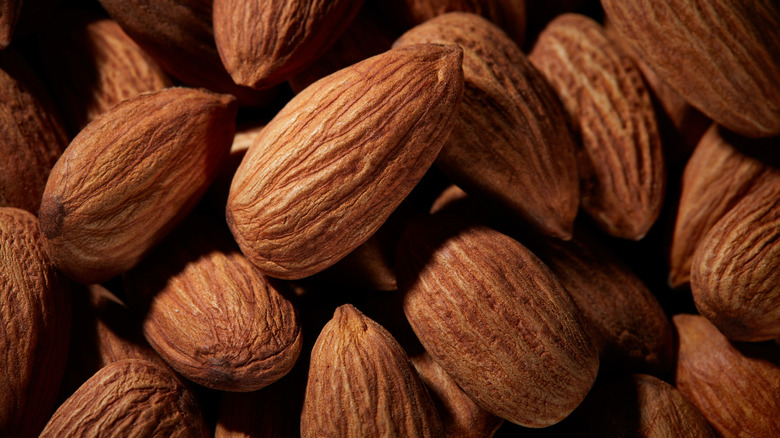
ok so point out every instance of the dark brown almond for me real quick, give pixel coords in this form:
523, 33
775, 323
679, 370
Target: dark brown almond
329, 169
129, 398
130, 176
721, 56
511, 142
735, 272
496, 319
210, 315
361, 383
32, 135
622, 170
735, 386
35, 314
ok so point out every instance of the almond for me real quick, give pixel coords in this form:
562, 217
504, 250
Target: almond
723, 168
35, 316
329, 169
93, 65
210, 315
9, 14
496, 319
361, 383
735, 272
129, 398
723, 56
33, 136
263, 43
510, 142
734, 386
622, 169
130, 176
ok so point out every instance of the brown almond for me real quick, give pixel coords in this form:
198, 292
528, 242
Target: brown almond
721, 56
93, 65
734, 386
361, 383
210, 315
723, 168
263, 43
9, 14
461, 416
329, 169
130, 176
129, 398
511, 142
32, 135
735, 272
622, 172
35, 317
496, 319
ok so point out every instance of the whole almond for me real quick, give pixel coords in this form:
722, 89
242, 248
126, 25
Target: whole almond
622, 169
129, 398
210, 315
734, 386
32, 135
35, 316
329, 169
130, 176
722, 56
510, 142
735, 272
93, 65
263, 43
723, 168
361, 383
496, 319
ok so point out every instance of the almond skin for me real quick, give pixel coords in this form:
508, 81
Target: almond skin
496, 319
721, 56
329, 169
35, 314
510, 142
263, 43
32, 133
622, 170
210, 315
734, 386
93, 65
130, 176
723, 168
129, 398
361, 383
735, 272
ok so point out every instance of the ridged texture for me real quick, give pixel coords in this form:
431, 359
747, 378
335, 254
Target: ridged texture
631, 328
35, 316
329, 169
265, 42
735, 272
32, 135
622, 171
361, 383
496, 319
210, 315
734, 386
9, 14
462, 417
179, 35
511, 142
129, 398
93, 65
130, 176
510, 15
722, 170
722, 56
639, 406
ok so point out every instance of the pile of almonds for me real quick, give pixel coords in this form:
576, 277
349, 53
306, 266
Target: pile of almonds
402, 218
